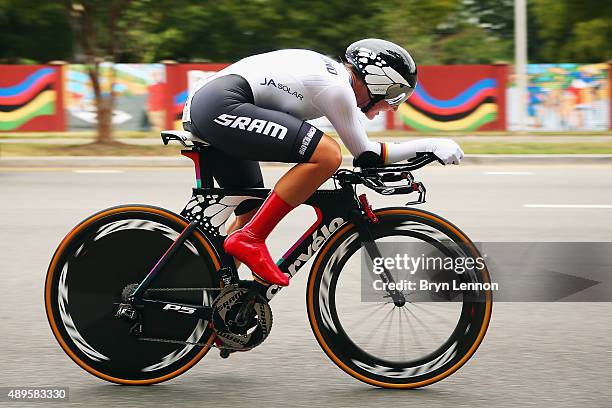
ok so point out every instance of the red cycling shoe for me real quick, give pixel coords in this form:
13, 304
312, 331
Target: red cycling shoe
248, 244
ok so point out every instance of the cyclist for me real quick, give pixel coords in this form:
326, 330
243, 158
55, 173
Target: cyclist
255, 110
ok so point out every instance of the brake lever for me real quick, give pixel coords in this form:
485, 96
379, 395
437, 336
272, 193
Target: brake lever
422, 191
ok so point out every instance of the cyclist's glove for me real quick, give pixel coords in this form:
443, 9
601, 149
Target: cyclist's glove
447, 150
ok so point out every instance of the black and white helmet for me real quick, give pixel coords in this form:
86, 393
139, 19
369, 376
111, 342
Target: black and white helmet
387, 69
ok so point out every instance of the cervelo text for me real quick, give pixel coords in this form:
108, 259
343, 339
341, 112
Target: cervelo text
317, 242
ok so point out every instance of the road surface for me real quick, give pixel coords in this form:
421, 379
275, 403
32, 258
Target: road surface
535, 354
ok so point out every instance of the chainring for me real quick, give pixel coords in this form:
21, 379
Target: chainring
240, 338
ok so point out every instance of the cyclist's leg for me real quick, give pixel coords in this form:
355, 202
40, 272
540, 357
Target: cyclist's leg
294, 187
224, 108
303, 179
240, 175
248, 243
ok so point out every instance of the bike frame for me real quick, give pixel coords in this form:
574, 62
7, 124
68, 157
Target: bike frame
332, 207
209, 209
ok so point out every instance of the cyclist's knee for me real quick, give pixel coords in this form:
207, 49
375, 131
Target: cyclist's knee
328, 154
336, 155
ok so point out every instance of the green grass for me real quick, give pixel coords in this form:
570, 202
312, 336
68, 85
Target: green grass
77, 135
120, 149
384, 134
405, 133
537, 148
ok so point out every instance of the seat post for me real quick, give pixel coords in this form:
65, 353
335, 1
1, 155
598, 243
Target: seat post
203, 170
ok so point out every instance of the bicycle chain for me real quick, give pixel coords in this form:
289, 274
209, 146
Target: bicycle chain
186, 343
181, 289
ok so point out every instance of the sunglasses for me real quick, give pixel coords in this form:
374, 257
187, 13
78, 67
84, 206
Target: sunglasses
397, 94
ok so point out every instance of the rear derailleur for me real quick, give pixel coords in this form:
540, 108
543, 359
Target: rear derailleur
128, 312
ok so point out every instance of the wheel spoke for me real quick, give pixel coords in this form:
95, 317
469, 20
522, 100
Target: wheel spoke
415, 334
400, 316
438, 316
388, 330
427, 329
361, 320
380, 323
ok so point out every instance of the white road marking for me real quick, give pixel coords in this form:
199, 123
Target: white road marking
98, 171
509, 173
567, 205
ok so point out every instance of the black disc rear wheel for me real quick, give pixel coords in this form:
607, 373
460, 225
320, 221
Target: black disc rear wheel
107, 253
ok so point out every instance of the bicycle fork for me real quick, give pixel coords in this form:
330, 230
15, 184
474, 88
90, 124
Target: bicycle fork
362, 223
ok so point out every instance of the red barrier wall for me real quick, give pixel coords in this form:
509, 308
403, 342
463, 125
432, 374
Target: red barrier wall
457, 97
31, 98
177, 83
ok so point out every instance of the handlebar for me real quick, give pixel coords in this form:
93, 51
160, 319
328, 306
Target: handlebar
375, 178
420, 160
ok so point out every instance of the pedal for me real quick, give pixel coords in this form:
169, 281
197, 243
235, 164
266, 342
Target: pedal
225, 353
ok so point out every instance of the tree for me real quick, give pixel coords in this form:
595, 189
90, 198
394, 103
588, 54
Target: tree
26, 28
573, 30
417, 25
96, 29
232, 29
494, 16
472, 45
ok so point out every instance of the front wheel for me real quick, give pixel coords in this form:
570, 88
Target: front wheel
97, 262
382, 342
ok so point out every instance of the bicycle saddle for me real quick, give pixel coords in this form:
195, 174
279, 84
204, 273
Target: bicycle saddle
186, 138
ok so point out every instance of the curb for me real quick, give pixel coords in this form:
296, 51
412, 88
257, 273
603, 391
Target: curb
157, 161
538, 159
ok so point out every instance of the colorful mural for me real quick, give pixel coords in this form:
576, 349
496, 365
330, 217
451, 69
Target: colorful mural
565, 97
178, 102
456, 98
562, 97
469, 110
139, 91
28, 96
181, 79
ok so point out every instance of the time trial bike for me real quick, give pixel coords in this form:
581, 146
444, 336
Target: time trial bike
137, 294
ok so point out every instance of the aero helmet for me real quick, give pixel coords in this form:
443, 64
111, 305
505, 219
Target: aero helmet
387, 69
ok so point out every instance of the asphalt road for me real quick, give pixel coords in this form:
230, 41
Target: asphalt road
535, 354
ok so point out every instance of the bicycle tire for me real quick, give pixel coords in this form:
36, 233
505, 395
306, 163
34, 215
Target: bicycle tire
339, 347
92, 264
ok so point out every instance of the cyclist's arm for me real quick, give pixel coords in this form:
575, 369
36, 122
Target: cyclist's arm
340, 108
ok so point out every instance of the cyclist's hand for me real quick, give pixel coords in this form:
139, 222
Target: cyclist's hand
447, 150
